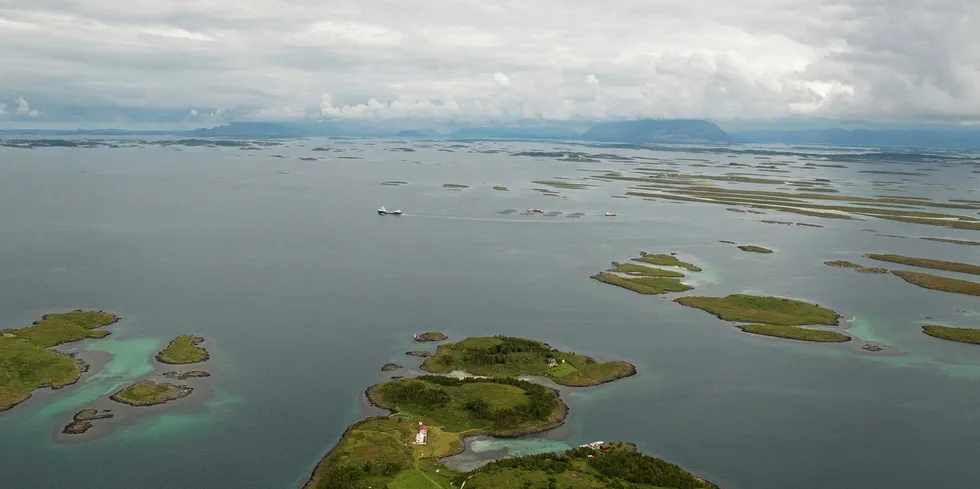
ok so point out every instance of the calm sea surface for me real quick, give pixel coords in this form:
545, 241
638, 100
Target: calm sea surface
303, 293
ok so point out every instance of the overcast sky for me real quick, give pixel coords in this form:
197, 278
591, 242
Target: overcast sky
474, 61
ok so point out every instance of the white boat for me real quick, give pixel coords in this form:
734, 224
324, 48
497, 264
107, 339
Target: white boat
383, 212
610, 214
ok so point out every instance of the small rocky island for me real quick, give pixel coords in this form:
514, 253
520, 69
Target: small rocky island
430, 336
149, 393
419, 353
183, 350
391, 367
193, 374
82, 421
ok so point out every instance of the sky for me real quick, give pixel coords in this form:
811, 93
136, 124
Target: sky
205, 62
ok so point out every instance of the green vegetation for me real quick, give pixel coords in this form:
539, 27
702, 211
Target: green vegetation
394, 183
500, 188
766, 310
455, 186
936, 282
431, 336
149, 393
182, 350
666, 260
27, 364
502, 356
580, 468
855, 267
962, 335
644, 285
378, 452
955, 241
640, 270
755, 249
949, 266
795, 333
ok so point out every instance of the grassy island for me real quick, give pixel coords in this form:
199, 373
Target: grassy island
455, 186
644, 285
936, 282
795, 333
954, 241
766, 310
667, 261
771, 316
379, 452
855, 267
962, 335
431, 336
149, 393
26, 363
500, 188
755, 249
183, 350
642, 271
949, 266
502, 356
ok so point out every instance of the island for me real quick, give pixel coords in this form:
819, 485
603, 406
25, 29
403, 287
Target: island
962, 335
431, 415
755, 249
193, 374
504, 356
771, 316
667, 261
149, 393
644, 285
27, 363
949, 266
183, 350
82, 421
430, 336
500, 188
936, 282
391, 367
455, 186
418, 353
855, 267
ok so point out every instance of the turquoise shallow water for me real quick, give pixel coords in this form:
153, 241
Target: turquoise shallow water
303, 293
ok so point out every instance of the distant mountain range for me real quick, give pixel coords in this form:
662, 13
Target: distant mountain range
645, 131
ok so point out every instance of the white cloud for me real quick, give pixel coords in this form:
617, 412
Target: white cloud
479, 60
24, 108
3, 109
501, 79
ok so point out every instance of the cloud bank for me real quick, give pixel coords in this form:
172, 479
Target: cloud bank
468, 60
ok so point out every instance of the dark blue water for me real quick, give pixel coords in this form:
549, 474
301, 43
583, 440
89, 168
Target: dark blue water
303, 293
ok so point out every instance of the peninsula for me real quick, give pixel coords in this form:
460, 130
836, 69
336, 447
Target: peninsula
962, 335
27, 363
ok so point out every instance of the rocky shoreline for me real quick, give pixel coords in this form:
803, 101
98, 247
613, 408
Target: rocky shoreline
81, 422
193, 374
